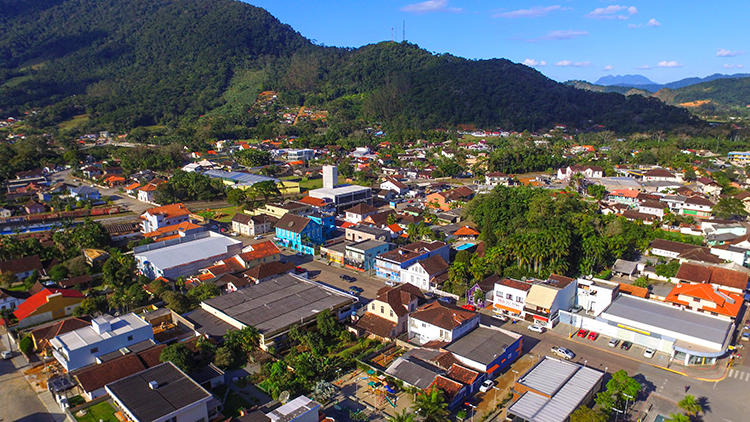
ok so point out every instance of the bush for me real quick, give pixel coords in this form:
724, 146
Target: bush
26, 345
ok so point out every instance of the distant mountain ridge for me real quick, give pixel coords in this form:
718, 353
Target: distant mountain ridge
642, 82
624, 80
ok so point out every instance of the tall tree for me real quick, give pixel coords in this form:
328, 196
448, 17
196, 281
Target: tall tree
431, 406
690, 405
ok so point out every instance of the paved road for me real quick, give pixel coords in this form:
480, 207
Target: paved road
18, 402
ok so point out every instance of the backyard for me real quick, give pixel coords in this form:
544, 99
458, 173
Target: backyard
98, 412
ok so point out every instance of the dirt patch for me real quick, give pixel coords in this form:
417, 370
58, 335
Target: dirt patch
495, 397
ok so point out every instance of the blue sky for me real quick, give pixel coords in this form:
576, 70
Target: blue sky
662, 40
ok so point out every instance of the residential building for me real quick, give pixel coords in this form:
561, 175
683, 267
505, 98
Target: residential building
5, 212
595, 295
106, 334
389, 183
47, 305
274, 306
253, 225
624, 196
510, 296
83, 193
9, 299
265, 272
33, 207
299, 233
496, 178
43, 334
147, 192
174, 231
162, 393
698, 207
546, 298
425, 273
721, 278
300, 154
482, 293
440, 322
388, 314
591, 172
489, 350
414, 371
379, 219
360, 233
359, 212
552, 390
708, 186
22, 267
655, 208
300, 409
739, 157
335, 252
447, 200
361, 256
289, 207
659, 175
259, 253
167, 215
184, 256
466, 233
390, 264
706, 298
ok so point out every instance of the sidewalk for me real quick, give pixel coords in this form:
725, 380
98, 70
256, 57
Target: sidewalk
714, 373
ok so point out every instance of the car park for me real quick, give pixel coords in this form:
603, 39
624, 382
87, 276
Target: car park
563, 352
626, 345
593, 335
613, 343
486, 386
536, 328
649, 353
582, 333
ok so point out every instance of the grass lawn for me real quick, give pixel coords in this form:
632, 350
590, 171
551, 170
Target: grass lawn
234, 402
100, 411
229, 213
75, 121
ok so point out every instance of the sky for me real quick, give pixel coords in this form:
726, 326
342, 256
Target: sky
570, 39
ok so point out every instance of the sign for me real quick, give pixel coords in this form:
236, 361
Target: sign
634, 329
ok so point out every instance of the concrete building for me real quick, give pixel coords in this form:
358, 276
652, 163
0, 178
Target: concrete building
437, 321
546, 298
425, 273
361, 256
343, 196
167, 215
595, 295
47, 305
391, 264
106, 334
300, 409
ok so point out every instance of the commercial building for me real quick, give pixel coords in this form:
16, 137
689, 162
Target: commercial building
167, 215
184, 255
487, 349
106, 334
361, 256
343, 196
546, 298
299, 233
390, 264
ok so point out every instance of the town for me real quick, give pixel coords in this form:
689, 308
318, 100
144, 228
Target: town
260, 281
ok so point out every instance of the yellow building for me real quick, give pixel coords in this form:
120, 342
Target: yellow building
388, 314
47, 305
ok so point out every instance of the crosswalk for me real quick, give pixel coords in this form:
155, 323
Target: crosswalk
737, 374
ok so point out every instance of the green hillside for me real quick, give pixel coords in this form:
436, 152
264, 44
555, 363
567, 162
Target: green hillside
134, 63
721, 94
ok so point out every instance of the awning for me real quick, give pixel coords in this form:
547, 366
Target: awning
508, 308
541, 318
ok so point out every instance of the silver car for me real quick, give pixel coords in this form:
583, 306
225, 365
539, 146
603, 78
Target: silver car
563, 352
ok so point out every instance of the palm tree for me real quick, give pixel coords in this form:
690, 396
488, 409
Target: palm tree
431, 406
690, 405
677, 417
401, 417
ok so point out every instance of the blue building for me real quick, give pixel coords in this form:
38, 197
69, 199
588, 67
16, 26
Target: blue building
389, 265
488, 350
327, 222
299, 233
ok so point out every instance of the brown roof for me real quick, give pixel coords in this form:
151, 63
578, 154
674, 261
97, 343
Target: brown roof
380, 218
488, 284
396, 183
701, 254
43, 335
669, 245
715, 275
361, 209
269, 269
444, 316
292, 223
559, 280
399, 297
654, 204
462, 375
229, 278
434, 265
411, 251
515, 284
658, 173
635, 215
242, 218
374, 324
697, 200
449, 387
93, 377
634, 290
21, 265
75, 281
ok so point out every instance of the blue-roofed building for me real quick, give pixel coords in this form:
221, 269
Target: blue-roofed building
83, 193
299, 233
238, 179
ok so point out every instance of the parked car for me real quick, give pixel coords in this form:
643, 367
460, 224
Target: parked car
582, 333
626, 345
649, 353
6, 354
501, 317
300, 254
593, 335
536, 328
469, 307
445, 299
613, 343
355, 290
563, 352
258, 237
390, 283
745, 337
486, 386
347, 278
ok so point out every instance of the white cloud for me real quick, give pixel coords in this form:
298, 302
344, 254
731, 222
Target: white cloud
567, 34
733, 66
612, 12
633, 26
668, 64
644, 67
534, 12
608, 67
726, 53
430, 6
534, 63
565, 63
653, 22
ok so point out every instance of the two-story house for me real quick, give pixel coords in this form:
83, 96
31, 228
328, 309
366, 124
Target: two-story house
595, 295
83, 193
659, 175
299, 233
167, 215
9, 299
697, 207
391, 264
655, 208
706, 298
424, 273
361, 256
106, 334
624, 196
449, 199
253, 225
440, 322
591, 172
46, 305
546, 298
22, 267
394, 185
509, 297
388, 314
496, 178
359, 212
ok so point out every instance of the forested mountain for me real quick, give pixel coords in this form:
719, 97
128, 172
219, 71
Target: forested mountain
624, 80
133, 63
722, 94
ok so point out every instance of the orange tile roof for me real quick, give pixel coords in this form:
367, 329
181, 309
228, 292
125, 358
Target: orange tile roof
466, 231
395, 228
316, 202
170, 211
627, 193
347, 225
185, 225
634, 290
135, 185
726, 303
259, 251
148, 188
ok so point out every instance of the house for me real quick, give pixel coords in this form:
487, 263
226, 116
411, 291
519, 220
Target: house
299, 233
390, 264
167, 215
466, 233
288, 207
425, 273
706, 298
659, 175
359, 233
487, 349
106, 334
496, 178
546, 298
259, 253
721, 278
184, 256
416, 372
361, 256
162, 393
654, 208
453, 392
84, 193
386, 317
47, 305
33, 207
267, 271
379, 219
300, 409
22, 267
552, 390
450, 199
625, 268
91, 172
440, 322
359, 212
591, 172
147, 192
253, 225
698, 207
509, 297
5, 212
175, 231
42, 335
708, 186
483, 292
132, 189
80, 283
9, 299
389, 183
94, 256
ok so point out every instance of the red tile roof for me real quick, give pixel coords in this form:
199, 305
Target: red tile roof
169, 211
449, 387
34, 302
466, 231
377, 325
714, 275
316, 202
634, 290
725, 302
446, 317
462, 375
260, 251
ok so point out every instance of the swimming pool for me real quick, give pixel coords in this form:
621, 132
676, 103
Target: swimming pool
464, 246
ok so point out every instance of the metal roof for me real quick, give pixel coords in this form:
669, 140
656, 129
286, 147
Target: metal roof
239, 177
338, 190
483, 345
566, 384
183, 253
414, 372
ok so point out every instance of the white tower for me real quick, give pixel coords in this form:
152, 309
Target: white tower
330, 177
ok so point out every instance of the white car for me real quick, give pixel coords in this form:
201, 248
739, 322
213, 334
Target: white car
486, 386
501, 317
649, 353
258, 237
6, 354
536, 328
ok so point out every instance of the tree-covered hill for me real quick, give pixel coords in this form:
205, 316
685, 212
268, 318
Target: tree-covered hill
720, 94
133, 63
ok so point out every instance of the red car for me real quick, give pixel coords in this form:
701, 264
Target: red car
470, 307
593, 335
582, 333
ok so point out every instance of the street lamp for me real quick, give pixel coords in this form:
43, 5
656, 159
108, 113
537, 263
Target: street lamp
472, 410
617, 414
514, 375
585, 362
494, 398
627, 397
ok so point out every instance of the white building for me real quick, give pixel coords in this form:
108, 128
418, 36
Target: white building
155, 218
653, 208
300, 154
510, 296
547, 298
423, 273
392, 184
9, 300
341, 197
300, 409
436, 321
81, 347
595, 295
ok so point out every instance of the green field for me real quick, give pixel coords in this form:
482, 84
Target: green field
75, 121
99, 412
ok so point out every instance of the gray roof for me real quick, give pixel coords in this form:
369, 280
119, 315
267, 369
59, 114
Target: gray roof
239, 177
414, 372
183, 253
133, 348
206, 373
625, 267
336, 191
205, 323
175, 391
483, 345
657, 314
566, 384
277, 304
367, 245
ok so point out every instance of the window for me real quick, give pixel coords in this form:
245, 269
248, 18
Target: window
696, 299
509, 296
391, 312
373, 306
382, 309
94, 350
519, 299
424, 325
130, 338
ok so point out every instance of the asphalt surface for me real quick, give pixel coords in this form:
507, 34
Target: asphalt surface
18, 402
